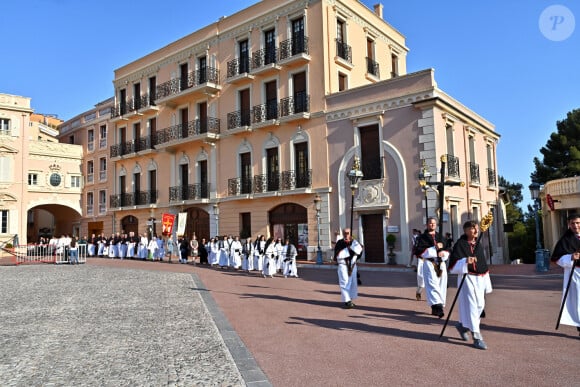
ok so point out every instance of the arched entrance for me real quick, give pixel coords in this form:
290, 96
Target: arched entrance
197, 223
50, 219
290, 221
130, 223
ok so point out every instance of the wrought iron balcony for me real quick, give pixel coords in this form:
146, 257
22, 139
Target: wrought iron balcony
133, 146
239, 119
296, 179
343, 51
473, 173
265, 112
188, 130
299, 103
453, 166
264, 57
137, 198
294, 46
122, 149
194, 79
238, 66
491, 178
267, 182
373, 67
239, 186
189, 192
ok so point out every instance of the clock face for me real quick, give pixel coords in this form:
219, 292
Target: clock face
55, 179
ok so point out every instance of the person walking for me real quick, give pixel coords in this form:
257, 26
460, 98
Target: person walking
567, 255
346, 253
269, 265
430, 247
468, 258
289, 255
194, 248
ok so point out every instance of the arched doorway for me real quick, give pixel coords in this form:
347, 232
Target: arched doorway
130, 223
50, 219
290, 221
197, 223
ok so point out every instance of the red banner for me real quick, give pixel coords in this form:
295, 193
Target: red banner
167, 221
550, 202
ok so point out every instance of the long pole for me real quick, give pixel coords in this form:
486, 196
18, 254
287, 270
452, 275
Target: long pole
351, 209
426, 205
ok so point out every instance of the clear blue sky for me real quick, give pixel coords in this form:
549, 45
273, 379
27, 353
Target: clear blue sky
490, 55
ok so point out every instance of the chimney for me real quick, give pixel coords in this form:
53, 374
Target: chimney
379, 10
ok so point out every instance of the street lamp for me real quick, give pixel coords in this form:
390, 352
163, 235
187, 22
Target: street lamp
424, 177
317, 203
355, 175
540, 260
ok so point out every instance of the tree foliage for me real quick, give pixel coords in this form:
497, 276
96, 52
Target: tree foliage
561, 154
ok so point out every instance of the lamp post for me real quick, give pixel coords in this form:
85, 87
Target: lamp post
540, 259
216, 212
355, 175
317, 203
424, 177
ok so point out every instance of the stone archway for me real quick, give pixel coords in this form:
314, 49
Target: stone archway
50, 219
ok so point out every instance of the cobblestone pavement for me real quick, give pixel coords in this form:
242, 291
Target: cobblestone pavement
103, 326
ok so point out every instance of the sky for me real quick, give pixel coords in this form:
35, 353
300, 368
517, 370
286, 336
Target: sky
514, 62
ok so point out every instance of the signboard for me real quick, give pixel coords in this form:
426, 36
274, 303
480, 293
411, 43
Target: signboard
167, 221
550, 202
392, 228
181, 222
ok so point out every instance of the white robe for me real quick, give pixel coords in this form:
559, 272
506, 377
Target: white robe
289, 261
435, 287
269, 266
348, 284
571, 311
236, 254
471, 297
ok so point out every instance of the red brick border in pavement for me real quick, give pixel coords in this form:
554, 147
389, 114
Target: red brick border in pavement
300, 336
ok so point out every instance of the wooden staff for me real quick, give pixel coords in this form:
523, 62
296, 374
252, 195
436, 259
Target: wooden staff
486, 221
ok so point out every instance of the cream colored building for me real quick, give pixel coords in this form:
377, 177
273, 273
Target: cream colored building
564, 196
40, 178
245, 122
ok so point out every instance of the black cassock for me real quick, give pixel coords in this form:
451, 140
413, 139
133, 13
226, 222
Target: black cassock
568, 244
463, 249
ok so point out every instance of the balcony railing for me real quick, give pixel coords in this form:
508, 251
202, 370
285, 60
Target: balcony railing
238, 66
239, 119
300, 103
264, 112
238, 185
491, 178
189, 192
189, 129
473, 173
133, 199
264, 57
295, 46
452, 166
372, 67
284, 181
343, 51
196, 78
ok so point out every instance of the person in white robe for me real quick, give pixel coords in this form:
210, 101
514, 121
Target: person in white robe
152, 247
248, 255
236, 253
567, 255
289, 254
214, 251
269, 265
259, 250
346, 253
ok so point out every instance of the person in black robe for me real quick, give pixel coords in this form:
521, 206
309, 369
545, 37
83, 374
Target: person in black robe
202, 251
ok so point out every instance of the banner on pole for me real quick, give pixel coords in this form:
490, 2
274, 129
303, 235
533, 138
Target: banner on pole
181, 221
167, 221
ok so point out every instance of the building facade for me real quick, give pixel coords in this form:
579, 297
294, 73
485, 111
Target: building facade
40, 178
558, 198
251, 124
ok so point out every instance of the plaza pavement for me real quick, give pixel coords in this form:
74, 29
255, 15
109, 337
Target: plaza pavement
131, 323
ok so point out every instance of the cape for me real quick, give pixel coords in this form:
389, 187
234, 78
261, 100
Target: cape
424, 241
461, 249
568, 244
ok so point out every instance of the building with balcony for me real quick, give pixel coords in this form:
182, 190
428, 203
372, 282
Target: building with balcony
40, 178
242, 124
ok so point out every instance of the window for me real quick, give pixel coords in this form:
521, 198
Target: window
341, 82
75, 182
153, 185
449, 137
371, 152
5, 169
102, 201
3, 221
33, 179
245, 224
90, 140
55, 179
394, 65
103, 136
90, 201
301, 165
71, 139
90, 171
269, 47
4, 126
102, 169
244, 56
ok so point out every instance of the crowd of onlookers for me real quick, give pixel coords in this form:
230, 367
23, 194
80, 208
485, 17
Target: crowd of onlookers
266, 256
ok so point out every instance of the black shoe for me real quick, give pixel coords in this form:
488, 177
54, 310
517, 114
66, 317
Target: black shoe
482, 315
348, 305
437, 310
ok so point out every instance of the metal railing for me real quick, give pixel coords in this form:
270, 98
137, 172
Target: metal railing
373, 67
343, 51
189, 192
286, 180
137, 198
299, 103
264, 112
453, 166
238, 66
491, 177
264, 57
473, 172
189, 129
239, 119
195, 78
294, 46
